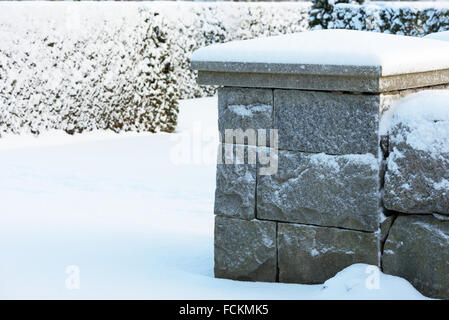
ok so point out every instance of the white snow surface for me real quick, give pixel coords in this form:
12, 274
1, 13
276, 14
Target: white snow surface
444, 36
437, 4
394, 54
426, 117
136, 224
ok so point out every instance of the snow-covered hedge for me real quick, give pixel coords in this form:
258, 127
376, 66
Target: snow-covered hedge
119, 66
320, 14
408, 18
81, 66
413, 19
200, 24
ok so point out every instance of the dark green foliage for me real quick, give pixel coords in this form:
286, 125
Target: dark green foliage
404, 19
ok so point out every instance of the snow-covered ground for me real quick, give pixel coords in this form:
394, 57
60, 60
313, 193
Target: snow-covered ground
134, 214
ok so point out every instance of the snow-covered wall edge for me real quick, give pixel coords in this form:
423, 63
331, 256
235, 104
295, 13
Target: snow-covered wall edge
117, 66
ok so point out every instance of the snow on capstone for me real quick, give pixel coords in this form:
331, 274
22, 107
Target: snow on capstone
386, 54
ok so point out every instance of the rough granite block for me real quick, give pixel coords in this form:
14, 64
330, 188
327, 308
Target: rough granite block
243, 108
385, 227
313, 121
310, 254
235, 193
245, 250
417, 249
319, 189
417, 175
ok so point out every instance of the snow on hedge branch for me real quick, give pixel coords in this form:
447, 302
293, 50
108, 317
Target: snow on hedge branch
85, 67
320, 14
118, 66
200, 24
413, 19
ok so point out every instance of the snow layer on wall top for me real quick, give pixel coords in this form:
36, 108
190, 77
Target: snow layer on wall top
388, 54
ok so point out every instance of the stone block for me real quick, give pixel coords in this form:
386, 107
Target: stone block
319, 189
417, 175
313, 121
243, 108
417, 249
235, 193
245, 250
310, 254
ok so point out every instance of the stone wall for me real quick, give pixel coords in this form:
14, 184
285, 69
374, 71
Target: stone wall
322, 206
344, 189
416, 192
321, 211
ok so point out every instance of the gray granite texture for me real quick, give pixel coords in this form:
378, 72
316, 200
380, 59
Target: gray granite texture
244, 108
327, 82
310, 254
245, 250
417, 249
417, 175
319, 189
235, 191
334, 123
